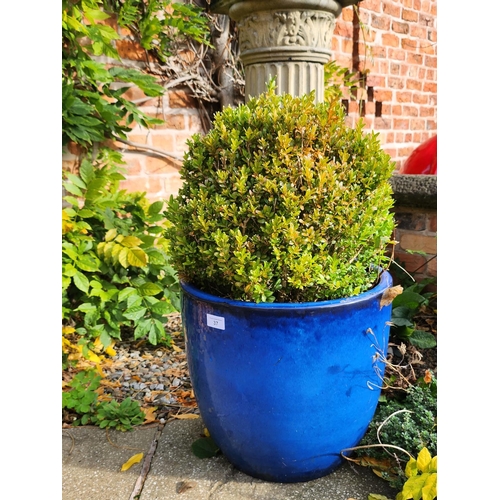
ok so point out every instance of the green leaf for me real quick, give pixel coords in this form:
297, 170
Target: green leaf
135, 313
155, 207
81, 281
423, 339
205, 448
137, 257
150, 289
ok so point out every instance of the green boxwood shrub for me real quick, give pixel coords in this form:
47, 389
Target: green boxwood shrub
282, 201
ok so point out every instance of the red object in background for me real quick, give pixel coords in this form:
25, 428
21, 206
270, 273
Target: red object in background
423, 160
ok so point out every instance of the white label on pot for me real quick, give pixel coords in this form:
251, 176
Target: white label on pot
216, 322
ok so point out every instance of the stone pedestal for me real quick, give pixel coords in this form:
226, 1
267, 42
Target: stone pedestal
287, 39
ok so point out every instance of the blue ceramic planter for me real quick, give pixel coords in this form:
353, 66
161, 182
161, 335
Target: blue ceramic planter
283, 388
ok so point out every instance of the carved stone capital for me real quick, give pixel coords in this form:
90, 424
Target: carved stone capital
286, 35
288, 39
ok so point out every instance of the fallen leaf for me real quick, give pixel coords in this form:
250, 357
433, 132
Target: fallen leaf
389, 295
135, 459
176, 349
149, 414
186, 416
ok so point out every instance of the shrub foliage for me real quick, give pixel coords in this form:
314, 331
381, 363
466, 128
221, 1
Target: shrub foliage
282, 201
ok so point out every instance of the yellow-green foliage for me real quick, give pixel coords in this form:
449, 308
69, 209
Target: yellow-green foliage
422, 478
281, 201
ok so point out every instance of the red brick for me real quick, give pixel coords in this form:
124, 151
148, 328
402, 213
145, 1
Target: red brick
347, 45
430, 87
181, 99
431, 268
379, 51
163, 141
133, 163
390, 40
382, 95
343, 29
373, 5
430, 125
410, 110
348, 14
382, 123
180, 142
335, 43
432, 223
403, 97
395, 69
398, 27
420, 98
391, 9
410, 262
431, 61
417, 5
397, 110
407, 3
421, 73
172, 184
386, 109
403, 123
398, 54
395, 82
425, 6
427, 111
432, 35
195, 123
417, 124
425, 20
414, 58
409, 15
130, 50
418, 31
171, 122
413, 84
380, 22
413, 221
409, 44
419, 242
156, 165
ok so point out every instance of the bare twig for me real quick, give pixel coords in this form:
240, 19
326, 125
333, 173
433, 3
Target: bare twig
157, 151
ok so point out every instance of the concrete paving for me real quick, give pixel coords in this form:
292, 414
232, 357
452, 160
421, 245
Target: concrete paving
92, 461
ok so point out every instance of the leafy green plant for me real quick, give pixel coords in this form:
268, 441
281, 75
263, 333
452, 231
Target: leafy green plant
281, 201
404, 309
83, 400
422, 478
93, 106
121, 416
116, 271
409, 424
421, 482
82, 397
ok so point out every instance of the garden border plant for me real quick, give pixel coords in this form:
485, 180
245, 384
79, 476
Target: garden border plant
116, 275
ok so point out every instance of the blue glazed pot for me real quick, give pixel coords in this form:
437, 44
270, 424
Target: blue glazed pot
284, 387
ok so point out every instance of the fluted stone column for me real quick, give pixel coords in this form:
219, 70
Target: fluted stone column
287, 39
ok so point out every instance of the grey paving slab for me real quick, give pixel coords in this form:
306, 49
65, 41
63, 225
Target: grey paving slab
177, 474
91, 465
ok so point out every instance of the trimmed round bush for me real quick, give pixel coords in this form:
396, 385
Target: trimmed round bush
282, 201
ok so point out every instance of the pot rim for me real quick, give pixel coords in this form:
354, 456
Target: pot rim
384, 282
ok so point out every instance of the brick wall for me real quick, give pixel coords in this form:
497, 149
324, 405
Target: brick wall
398, 47
416, 231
